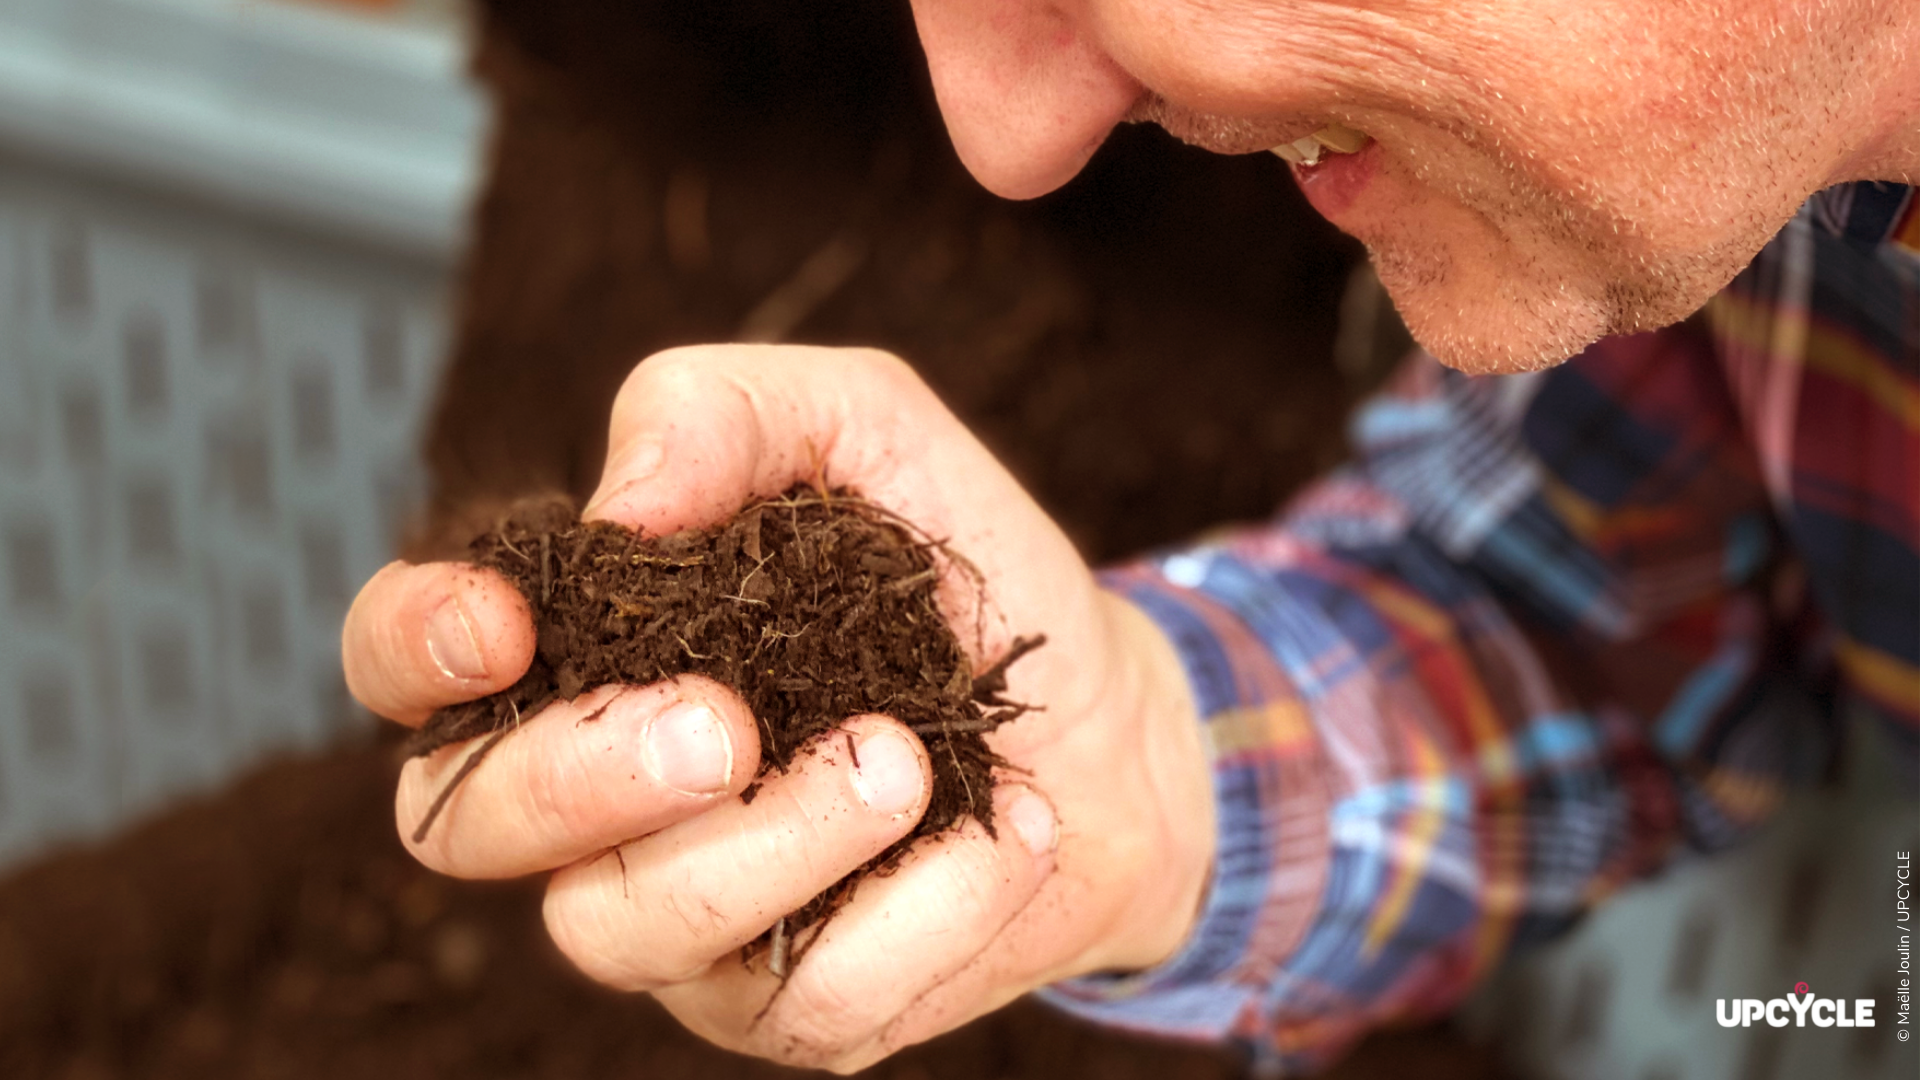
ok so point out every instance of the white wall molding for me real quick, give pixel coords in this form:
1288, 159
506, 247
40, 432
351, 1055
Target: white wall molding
350, 124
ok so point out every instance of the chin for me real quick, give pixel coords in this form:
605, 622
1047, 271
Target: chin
1496, 313
1503, 326
1513, 350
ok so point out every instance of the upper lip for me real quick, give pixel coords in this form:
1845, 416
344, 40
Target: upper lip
1221, 134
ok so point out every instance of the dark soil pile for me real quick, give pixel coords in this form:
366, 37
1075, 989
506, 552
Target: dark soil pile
815, 606
279, 932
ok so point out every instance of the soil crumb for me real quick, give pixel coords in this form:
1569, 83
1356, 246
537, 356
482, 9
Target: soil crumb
814, 607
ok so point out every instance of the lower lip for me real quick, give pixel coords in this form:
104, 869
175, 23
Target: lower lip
1337, 181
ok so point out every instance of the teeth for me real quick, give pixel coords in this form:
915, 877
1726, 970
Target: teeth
1300, 151
1335, 137
1341, 139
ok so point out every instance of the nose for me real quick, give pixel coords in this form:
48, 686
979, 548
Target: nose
1027, 95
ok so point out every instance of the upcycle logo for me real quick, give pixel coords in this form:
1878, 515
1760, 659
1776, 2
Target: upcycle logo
1796, 1009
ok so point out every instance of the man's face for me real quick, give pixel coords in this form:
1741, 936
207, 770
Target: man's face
1542, 172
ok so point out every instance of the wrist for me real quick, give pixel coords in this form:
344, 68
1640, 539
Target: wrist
1175, 790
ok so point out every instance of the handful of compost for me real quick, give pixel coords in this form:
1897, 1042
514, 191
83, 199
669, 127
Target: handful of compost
813, 607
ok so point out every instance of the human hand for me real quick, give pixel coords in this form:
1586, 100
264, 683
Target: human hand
1106, 840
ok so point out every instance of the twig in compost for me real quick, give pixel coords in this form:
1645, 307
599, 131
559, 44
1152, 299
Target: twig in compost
508, 544
952, 727
965, 784
993, 681
546, 569
466, 769
908, 582
777, 955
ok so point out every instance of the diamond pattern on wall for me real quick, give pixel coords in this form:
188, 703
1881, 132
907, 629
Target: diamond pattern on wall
208, 436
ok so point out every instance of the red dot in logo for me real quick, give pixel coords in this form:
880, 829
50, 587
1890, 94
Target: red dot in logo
1799, 988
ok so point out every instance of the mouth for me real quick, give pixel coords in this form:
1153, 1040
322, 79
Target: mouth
1291, 140
1214, 132
1332, 139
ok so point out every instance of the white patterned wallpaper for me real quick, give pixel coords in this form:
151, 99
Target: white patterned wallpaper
208, 438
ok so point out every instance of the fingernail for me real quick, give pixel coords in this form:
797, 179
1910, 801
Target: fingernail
688, 749
450, 641
1032, 818
888, 777
639, 460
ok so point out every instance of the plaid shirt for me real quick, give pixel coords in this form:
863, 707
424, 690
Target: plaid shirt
1546, 632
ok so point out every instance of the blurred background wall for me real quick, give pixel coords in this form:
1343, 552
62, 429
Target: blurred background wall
227, 229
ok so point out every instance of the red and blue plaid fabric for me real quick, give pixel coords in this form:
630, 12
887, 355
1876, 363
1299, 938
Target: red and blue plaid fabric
1545, 633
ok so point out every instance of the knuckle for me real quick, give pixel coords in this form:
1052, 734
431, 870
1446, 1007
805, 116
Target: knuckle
890, 369
677, 366
981, 879
972, 867
808, 1045
590, 918
580, 924
561, 795
674, 359
587, 953
670, 372
820, 1025
688, 366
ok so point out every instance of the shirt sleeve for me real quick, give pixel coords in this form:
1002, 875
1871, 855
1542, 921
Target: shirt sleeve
1521, 651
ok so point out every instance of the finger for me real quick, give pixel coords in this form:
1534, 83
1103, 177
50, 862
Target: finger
697, 432
898, 940
582, 776
671, 904
1023, 956
422, 637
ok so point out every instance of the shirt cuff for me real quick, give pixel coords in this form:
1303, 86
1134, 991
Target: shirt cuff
1271, 807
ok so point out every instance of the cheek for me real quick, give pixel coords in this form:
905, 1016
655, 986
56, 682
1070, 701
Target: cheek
1248, 58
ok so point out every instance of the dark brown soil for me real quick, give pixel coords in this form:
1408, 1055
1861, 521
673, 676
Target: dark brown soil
814, 607
279, 932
